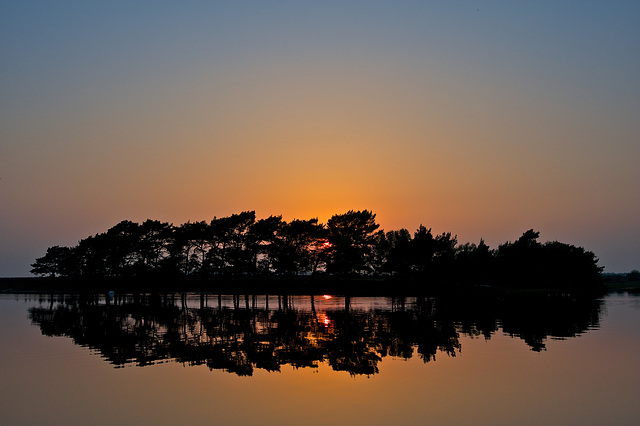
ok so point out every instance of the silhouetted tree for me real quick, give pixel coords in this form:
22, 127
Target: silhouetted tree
229, 253
298, 246
394, 252
444, 258
262, 242
433, 257
122, 243
569, 266
474, 263
519, 262
58, 261
526, 262
154, 240
352, 238
195, 241
423, 251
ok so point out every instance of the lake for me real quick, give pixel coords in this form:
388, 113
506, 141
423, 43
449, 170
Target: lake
257, 359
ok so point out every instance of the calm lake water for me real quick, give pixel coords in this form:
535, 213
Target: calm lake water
218, 359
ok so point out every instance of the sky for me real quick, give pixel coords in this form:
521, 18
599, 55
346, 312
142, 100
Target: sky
484, 119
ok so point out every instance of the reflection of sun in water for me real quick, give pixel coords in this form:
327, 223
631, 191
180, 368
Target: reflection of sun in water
325, 321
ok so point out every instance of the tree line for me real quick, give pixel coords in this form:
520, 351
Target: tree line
349, 245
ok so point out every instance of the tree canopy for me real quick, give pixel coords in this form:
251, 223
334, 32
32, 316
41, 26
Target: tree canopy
348, 245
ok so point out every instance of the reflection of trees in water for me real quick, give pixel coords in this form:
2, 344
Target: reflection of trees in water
247, 332
533, 322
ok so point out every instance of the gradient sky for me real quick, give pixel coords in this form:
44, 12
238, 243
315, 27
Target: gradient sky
483, 119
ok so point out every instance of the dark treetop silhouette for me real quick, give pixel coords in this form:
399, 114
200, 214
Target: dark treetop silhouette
348, 246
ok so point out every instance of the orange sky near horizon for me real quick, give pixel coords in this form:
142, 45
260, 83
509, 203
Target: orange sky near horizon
483, 123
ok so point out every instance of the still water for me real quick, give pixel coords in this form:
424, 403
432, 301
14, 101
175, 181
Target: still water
256, 359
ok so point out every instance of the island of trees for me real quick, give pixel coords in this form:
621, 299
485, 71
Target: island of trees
349, 246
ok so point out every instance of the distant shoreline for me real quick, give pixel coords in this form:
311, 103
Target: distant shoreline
297, 285
249, 285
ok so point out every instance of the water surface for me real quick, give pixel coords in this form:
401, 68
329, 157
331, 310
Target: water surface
256, 359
